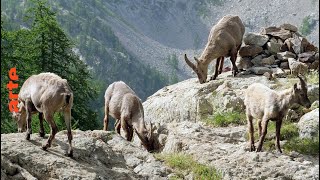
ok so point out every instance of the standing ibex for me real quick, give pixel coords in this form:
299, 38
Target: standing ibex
224, 40
125, 106
45, 93
265, 104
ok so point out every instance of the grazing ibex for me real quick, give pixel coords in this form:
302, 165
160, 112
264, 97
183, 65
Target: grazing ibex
45, 93
124, 105
224, 40
265, 104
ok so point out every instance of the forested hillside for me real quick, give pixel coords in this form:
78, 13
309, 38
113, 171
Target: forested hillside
44, 47
78, 35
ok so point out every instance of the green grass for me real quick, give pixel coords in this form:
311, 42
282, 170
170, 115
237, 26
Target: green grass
289, 132
183, 163
224, 119
312, 77
304, 146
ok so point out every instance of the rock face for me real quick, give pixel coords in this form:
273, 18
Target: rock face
97, 155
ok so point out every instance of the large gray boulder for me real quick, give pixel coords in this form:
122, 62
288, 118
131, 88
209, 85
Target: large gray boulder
268, 60
273, 47
276, 32
255, 39
313, 92
250, 50
191, 101
309, 124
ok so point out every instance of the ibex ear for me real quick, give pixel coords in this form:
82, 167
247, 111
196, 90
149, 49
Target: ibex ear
151, 130
189, 62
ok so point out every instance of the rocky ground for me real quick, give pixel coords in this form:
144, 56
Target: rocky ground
97, 155
177, 111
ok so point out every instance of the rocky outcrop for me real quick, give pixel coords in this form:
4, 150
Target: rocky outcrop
177, 111
273, 46
97, 155
226, 150
190, 101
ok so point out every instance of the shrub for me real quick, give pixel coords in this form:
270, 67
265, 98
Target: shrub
305, 28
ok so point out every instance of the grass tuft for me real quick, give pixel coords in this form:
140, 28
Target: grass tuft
304, 146
312, 77
224, 119
183, 163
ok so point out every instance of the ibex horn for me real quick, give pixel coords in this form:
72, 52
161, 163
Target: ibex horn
189, 62
196, 59
302, 81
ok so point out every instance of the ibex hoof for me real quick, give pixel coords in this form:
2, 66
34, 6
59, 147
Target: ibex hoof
45, 147
70, 153
28, 136
41, 134
252, 148
212, 78
234, 73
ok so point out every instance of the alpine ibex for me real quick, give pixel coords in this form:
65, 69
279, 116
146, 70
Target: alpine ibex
224, 40
45, 93
265, 104
124, 105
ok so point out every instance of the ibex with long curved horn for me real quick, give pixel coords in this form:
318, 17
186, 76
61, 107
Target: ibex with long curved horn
224, 40
124, 105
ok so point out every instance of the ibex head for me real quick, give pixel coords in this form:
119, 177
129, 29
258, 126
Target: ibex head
20, 117
301, 92
200, 69
149, 140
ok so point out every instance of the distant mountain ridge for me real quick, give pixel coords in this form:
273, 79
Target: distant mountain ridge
114, 35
